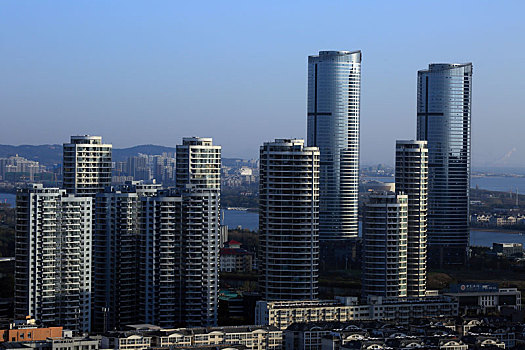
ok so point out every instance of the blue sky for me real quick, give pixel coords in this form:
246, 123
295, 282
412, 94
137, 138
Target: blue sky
140, 72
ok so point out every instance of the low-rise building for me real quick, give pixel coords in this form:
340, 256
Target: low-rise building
28, 330
482, 297
126, 341
61, 343
236, 260
508, 249
480, 342
282, 314
252, 337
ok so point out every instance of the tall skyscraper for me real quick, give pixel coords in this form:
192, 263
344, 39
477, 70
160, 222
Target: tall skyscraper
86, 165
412, 180
53, 257
289, 220
385, 245
443, 120
334, 88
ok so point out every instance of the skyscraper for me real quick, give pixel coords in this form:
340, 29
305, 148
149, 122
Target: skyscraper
289, 220
443, 120
53, 257
334, 87
86, 165
385, 245
412, 180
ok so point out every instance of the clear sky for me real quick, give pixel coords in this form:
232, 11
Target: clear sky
151, 72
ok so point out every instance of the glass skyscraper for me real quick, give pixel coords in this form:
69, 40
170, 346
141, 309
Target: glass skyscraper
334, 86
443, 120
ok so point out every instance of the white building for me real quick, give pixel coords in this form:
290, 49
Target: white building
53, 257
198, 163
282, 314
86, 166
289, 220
246, 337
385, 245
412, 180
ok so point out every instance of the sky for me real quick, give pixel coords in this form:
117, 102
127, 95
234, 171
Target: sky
152, 72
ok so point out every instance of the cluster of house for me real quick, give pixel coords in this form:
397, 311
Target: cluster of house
443, 334
497, 219
440, 334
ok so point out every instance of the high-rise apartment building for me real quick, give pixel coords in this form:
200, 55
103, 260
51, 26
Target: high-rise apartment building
289, 220
198, 163
53, 257
86, 165
334, 88
412, 180
443, 120
116, 247
156, 258
179, 257
198, 170
157, 251
385, 245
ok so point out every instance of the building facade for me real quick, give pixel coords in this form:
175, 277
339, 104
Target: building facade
334, 88
412, 180
198, 177
289, 220
246, 337
282, 314
116, 250
385, 245
53, 257
155, 257
198, 163
86, 165
443, 120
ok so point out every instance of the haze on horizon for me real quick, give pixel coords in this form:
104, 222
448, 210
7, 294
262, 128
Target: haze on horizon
153, 72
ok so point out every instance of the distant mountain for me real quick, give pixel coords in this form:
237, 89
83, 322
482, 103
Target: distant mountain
52, 154
45, 154
121, 154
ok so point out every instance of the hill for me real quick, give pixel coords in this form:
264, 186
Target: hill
52, 154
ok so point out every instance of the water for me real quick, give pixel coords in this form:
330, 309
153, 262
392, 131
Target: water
491, 183
245, 219
8, 198
478, 237
499, 183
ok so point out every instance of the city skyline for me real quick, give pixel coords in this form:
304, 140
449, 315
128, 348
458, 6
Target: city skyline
147, 74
